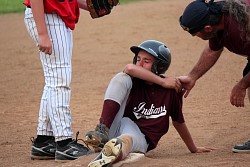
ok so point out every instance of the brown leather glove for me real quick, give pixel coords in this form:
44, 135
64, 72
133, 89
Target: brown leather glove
99, 8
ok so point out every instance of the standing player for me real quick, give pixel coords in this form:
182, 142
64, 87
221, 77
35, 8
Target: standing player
224, 24
50, 24
137, 107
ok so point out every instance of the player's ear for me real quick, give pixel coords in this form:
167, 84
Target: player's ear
208, 28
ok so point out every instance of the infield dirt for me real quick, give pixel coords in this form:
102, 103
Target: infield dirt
101, 49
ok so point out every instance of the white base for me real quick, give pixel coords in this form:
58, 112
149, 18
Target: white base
132, 157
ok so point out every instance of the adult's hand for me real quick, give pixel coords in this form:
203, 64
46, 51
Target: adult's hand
172, 83
237, 96
187, 84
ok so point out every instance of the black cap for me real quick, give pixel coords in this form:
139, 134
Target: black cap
195, 16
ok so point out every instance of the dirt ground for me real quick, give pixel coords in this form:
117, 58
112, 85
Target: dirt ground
101, 49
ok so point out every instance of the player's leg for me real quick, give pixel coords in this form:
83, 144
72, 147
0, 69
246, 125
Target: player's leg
54, 114
130, 128
43, 146
121, 83
130, 140
112, 112
58, 71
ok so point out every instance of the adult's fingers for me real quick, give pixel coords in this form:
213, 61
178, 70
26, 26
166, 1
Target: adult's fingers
186, 93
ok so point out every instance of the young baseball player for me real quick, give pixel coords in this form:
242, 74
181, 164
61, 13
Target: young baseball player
50, 24
225, 24
137, 106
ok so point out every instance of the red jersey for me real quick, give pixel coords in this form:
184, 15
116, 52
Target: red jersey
150, 107
68, 10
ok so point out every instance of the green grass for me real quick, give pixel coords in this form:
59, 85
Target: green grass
15, 6
11, 6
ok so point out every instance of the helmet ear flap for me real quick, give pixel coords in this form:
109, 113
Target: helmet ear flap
159, 67
162, 67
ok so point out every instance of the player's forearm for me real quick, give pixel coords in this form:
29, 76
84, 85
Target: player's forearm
207, 59
141, 73
38, 13
82, 4
186, 136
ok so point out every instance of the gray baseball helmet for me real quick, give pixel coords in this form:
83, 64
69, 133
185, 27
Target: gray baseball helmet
157, 49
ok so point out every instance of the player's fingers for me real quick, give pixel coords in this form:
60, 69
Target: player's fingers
177, 81
41, 49
179, 88
49, 51
178, 85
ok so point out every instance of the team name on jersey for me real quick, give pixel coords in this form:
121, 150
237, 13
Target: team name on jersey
148, 113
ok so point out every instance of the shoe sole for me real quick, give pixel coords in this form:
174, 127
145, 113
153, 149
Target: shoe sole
40, 154
240, 151
62, 157
63, 161
110, 152
34, 157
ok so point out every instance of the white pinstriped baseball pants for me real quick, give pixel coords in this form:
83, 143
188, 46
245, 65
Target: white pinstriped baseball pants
54, 114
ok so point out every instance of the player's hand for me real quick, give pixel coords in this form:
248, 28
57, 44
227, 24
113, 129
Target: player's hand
204, 149
45, 44
172, 83
187, 84
238, 95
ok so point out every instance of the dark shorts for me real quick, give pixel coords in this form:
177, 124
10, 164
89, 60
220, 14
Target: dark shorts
247, 68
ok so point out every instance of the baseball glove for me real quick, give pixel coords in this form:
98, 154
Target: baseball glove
99, 8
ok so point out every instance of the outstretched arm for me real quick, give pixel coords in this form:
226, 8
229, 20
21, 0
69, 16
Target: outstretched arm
207, 59
141, 73
187, 138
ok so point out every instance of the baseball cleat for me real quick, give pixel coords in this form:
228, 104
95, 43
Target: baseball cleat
71, 151
43, 151
109, 154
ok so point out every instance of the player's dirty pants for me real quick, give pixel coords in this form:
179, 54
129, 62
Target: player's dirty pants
54, 114
118, 91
